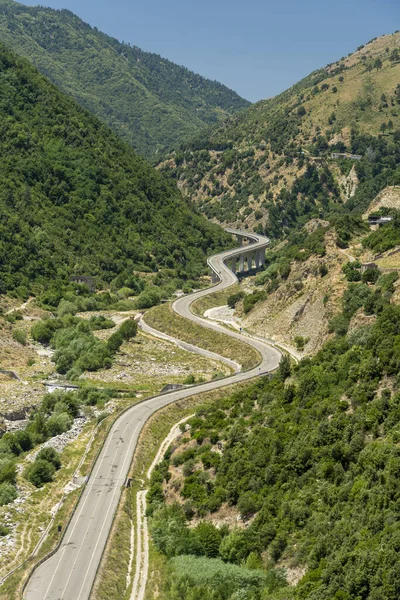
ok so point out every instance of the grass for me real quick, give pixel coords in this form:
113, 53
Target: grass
389, 262
147, 364
110, 584
164, 319
200, 306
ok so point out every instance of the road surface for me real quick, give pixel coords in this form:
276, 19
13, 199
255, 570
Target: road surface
69, 574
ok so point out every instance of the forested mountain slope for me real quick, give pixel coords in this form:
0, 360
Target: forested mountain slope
75, 199
290, 489
278, 152
149, 101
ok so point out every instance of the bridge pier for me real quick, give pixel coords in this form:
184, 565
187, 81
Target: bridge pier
247, 260
214, 276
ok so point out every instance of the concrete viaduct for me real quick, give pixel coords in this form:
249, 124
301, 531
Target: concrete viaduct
248, 259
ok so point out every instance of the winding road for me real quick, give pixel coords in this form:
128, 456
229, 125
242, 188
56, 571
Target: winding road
69, 574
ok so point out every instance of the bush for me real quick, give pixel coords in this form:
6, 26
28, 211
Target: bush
8, 471
40, 472
66, 308
370, 275
51, 456
209, 539
115, 342
8, 493
151, 296
339, 325
128, 329
300, 342
352, 271
58, 423
233, 299
100, 322
19, 336
248, 504
251, 299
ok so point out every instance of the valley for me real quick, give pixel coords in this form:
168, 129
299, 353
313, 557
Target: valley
199, 324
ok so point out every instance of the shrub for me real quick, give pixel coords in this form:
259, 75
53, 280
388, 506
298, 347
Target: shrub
115, 342
128, 329
248, 504
233, 299
300, 342
339, 325
251, 299
19, 336
209, 539
8, 471
352, 271
58, 423
40, 472
370, 275
100, 322
51, 456
8, 493
151, 296
66, 308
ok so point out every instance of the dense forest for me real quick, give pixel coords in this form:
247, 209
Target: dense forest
75, 199
149, 101
310, 461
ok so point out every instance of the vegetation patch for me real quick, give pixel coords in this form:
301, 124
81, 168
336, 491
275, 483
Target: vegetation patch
163, 318
306, 458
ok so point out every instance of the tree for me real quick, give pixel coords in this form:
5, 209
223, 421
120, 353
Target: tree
8, 471
8, 493
285, 367
51, 455
40, 472
209, 538
58, 423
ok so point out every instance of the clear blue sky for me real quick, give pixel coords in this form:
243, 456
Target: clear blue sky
256, 47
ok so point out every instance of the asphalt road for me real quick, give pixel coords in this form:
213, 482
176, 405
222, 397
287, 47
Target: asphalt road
69, 574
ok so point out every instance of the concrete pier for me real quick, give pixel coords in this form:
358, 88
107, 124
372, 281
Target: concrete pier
245, 260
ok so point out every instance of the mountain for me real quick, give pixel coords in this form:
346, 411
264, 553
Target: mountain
250, 168
75, 199
149, 101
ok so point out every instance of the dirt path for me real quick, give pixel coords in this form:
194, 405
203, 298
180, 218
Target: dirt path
142, 533
20, 307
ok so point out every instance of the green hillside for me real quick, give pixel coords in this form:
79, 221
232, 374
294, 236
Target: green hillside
290, 489
150, 102
75, 199
239, 171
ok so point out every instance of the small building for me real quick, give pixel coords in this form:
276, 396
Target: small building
346, 155
368, 267
84, 280
377, 220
